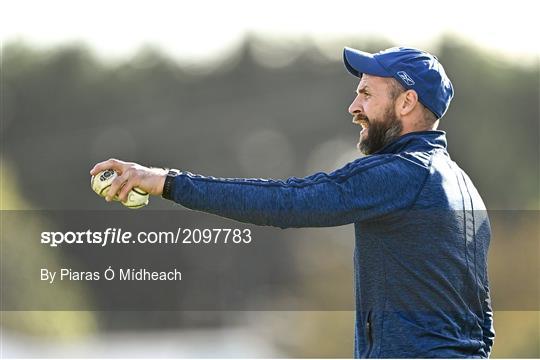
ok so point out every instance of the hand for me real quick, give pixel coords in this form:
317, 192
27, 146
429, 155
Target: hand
131, 175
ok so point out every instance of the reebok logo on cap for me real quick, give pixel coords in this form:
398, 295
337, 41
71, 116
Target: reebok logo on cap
403, 75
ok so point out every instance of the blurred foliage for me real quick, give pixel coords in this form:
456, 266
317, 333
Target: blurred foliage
518, 334
63, 106
63, 110
57, 324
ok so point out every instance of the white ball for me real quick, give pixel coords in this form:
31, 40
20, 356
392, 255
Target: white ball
101, 182
137, 198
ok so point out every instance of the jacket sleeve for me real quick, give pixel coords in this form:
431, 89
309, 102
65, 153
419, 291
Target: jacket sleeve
363, 189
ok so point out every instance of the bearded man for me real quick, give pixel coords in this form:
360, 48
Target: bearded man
421, 228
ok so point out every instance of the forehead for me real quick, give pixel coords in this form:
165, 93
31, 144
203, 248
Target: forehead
375, 83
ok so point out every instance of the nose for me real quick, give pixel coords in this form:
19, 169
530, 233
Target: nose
355, 107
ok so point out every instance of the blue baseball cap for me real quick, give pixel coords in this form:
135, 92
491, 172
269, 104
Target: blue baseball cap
414, 69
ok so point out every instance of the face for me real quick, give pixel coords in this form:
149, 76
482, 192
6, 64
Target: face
374, 110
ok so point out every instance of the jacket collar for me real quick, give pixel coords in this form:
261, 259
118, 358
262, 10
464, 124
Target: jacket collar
416, 141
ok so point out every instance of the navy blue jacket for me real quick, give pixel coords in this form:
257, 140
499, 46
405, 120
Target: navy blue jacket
421, 241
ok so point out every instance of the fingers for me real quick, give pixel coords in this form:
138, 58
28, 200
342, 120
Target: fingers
113, 164
124, 192
117, 183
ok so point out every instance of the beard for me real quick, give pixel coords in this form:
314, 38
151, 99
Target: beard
381, 132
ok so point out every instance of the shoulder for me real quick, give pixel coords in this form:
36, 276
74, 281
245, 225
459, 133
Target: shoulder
421, 159
394, 167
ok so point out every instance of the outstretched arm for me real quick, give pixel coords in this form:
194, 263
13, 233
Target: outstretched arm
363, 189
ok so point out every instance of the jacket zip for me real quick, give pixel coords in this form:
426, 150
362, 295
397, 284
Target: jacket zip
369, 333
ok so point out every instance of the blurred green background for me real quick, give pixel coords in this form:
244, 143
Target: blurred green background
270, 109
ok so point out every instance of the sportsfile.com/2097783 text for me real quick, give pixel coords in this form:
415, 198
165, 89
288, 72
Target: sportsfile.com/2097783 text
183, 236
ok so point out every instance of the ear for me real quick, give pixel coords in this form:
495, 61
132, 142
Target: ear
406, 103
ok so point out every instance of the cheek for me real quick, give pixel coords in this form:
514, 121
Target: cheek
374, 109
370, 108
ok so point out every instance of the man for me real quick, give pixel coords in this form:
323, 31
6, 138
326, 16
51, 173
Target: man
421, 229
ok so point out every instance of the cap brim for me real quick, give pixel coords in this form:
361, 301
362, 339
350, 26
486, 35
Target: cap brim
359, 62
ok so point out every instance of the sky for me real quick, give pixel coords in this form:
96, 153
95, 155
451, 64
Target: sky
205, 29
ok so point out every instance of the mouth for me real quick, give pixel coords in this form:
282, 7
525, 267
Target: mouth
363, 122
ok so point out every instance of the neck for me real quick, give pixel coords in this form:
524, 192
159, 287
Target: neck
417, 125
